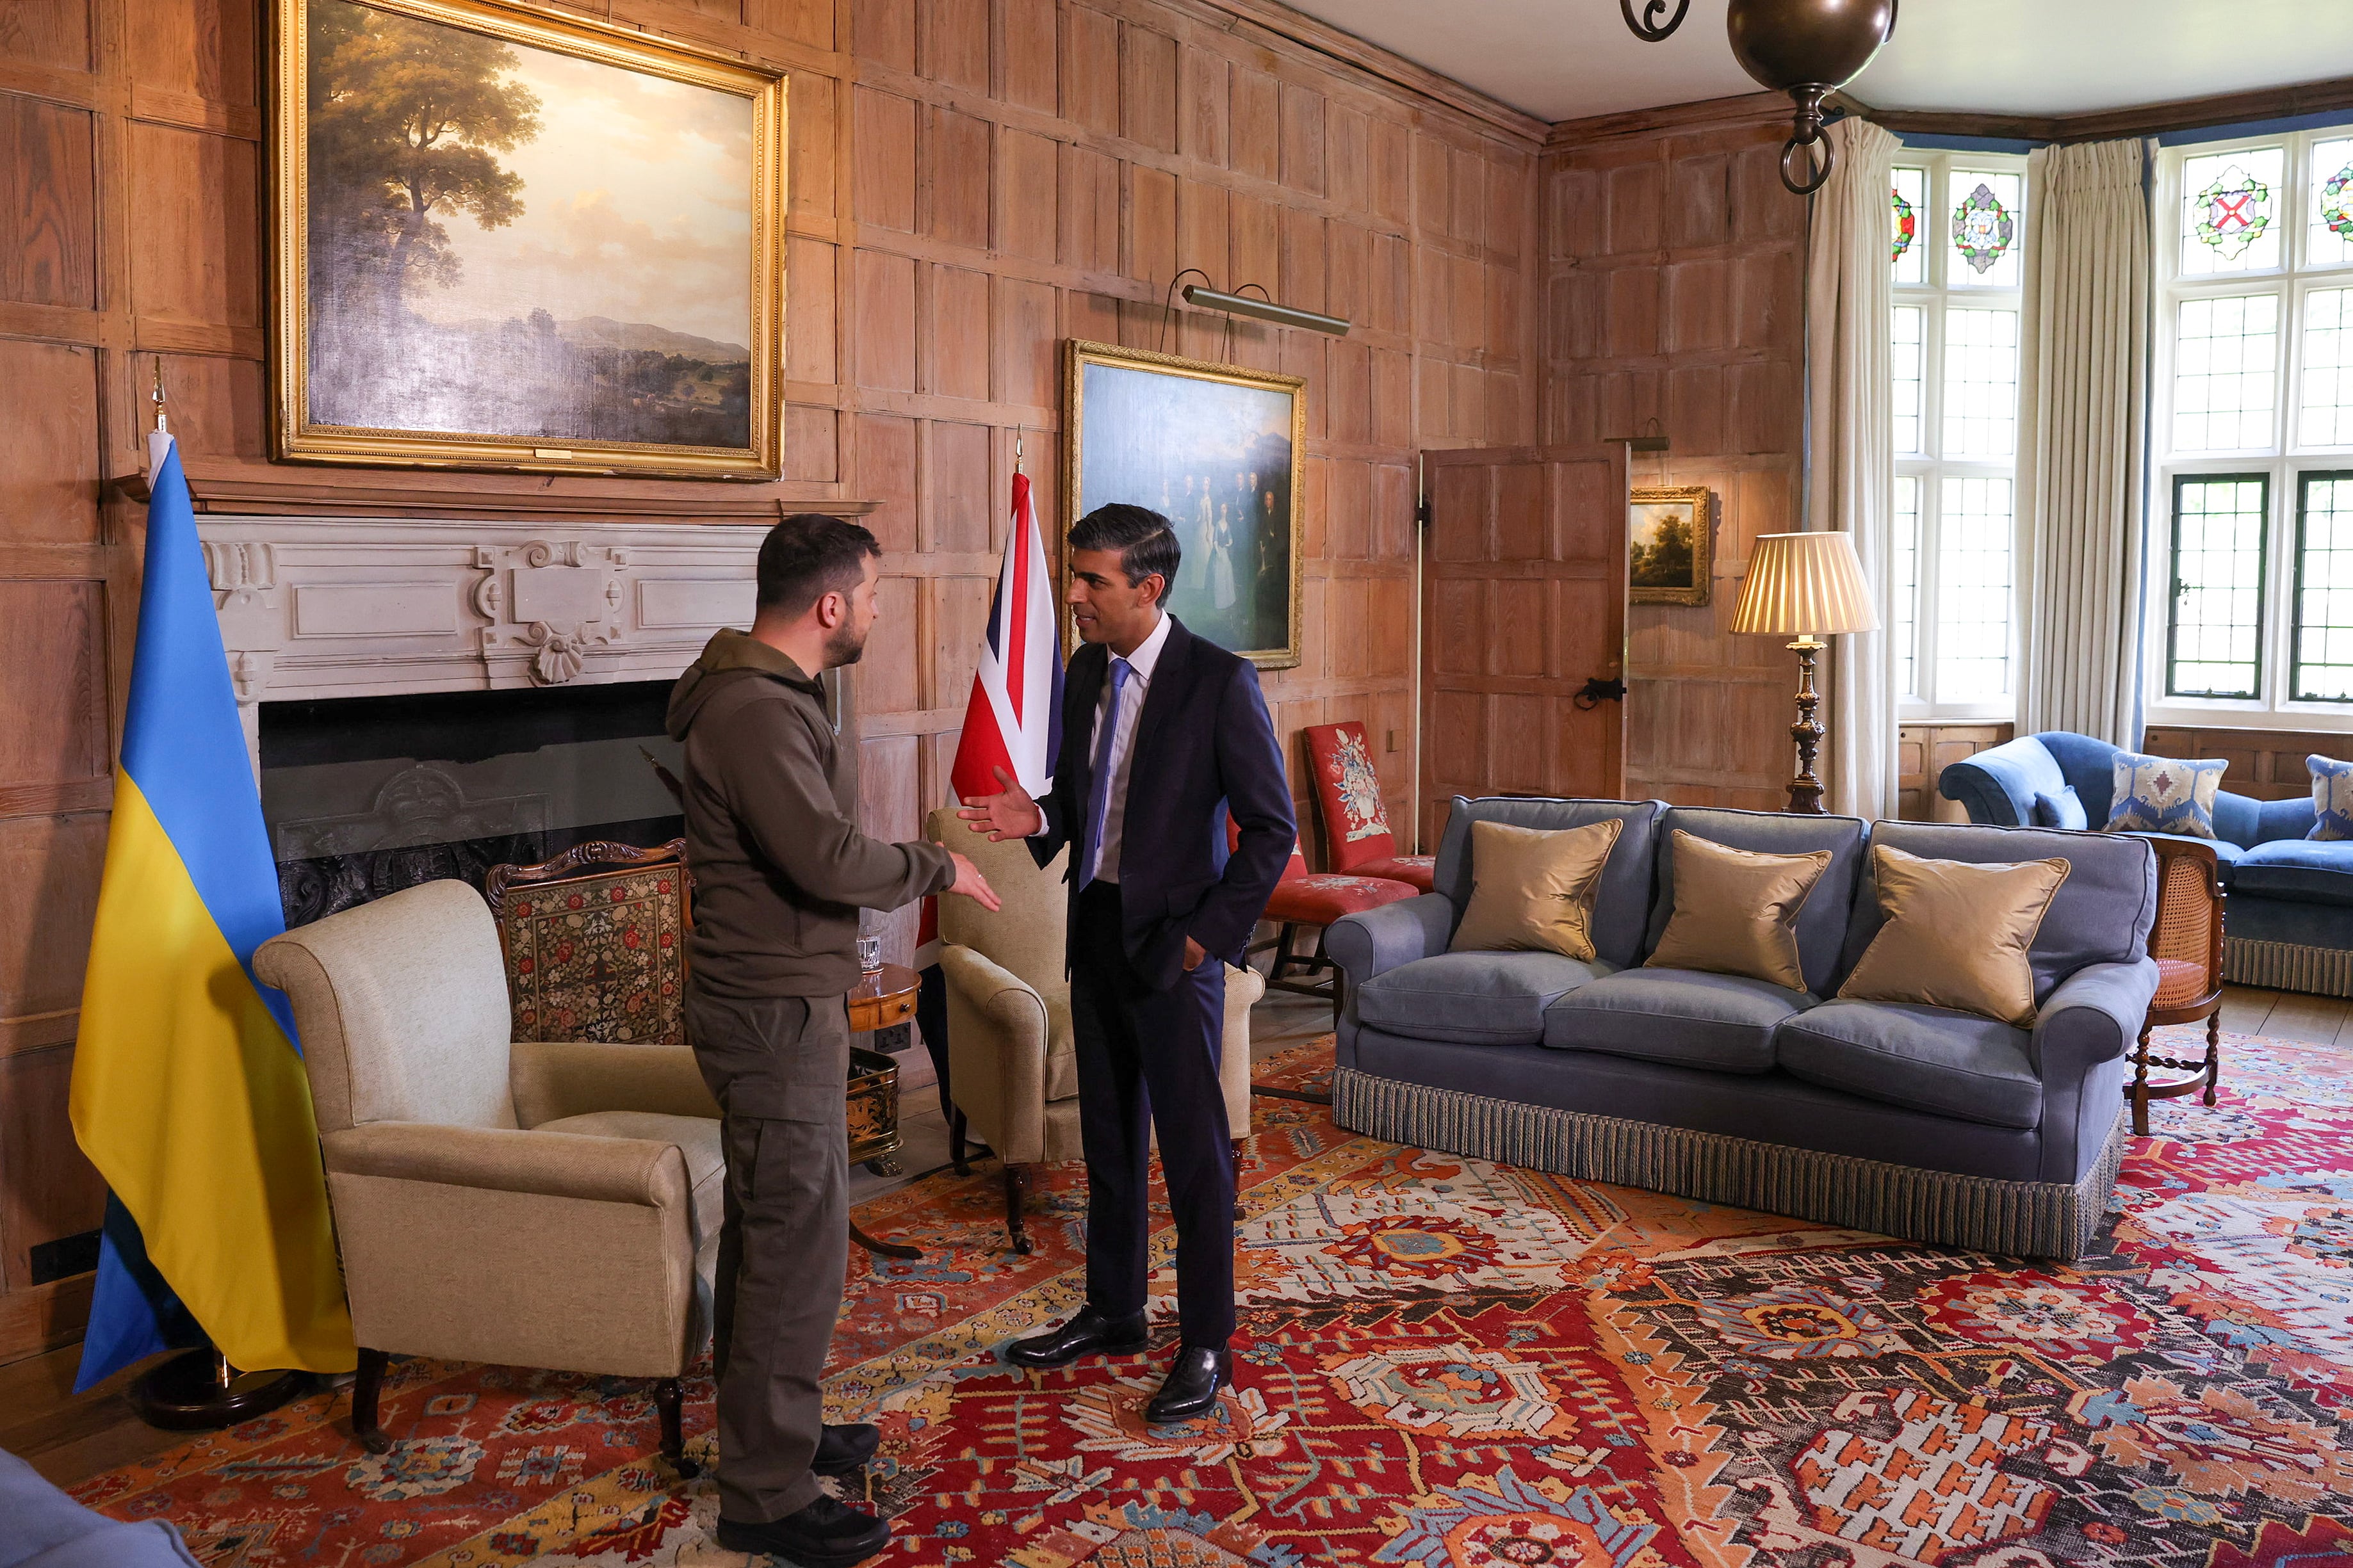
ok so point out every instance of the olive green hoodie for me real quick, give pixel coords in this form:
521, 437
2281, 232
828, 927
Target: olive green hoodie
780, 869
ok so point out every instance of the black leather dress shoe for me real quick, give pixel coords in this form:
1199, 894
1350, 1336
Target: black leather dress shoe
844, 1451
1089, 1333
826, 1535
1192, 1387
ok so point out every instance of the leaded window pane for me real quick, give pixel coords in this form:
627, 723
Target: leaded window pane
1903, 622
2322, 671
2216, 646
2229, 211
1985, 228
1907, 255
2325, 391
2328, 236
1909, 347
1980, 383
1973, 598
2225, 368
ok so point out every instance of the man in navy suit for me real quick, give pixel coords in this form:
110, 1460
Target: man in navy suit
1163, 734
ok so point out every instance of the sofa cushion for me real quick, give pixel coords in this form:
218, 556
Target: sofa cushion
1686, 1016
1828, 910
2315, 870
2164, 795
1532, 890
2332, 799
1925, 1058
1621, 902
2101, 914
1954, 934
1473, 998
2062, 809
1735, 910
2226, 854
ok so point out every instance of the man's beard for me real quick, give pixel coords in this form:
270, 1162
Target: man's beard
844, 647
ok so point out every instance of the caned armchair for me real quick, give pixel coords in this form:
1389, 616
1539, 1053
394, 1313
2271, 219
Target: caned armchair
1011, 1064
548, 1203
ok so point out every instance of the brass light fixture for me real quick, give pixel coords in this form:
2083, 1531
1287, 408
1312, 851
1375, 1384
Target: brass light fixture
1807, 48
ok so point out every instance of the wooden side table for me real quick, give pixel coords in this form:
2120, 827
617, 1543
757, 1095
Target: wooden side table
879, 1000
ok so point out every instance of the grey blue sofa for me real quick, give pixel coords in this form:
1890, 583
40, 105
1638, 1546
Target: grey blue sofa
1914, 1121
2290, 918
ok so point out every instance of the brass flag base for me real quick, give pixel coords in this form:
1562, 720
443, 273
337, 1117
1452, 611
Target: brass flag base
199, 1391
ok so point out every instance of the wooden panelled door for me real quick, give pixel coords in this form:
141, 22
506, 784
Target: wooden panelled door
1524, 626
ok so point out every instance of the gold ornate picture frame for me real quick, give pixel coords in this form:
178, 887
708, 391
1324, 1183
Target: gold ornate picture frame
1215, 448
1670, 545
507, 239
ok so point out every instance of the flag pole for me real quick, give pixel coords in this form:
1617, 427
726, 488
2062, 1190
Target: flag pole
198, 1390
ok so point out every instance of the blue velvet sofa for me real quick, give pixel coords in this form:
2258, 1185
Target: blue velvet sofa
1914, 1121
2290, 918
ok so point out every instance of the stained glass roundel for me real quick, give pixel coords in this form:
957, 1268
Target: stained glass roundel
2336, 203
1982, 229
2233, 212
1907, 227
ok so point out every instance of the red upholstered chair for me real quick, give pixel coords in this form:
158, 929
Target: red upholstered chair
1305, 897
1356, 825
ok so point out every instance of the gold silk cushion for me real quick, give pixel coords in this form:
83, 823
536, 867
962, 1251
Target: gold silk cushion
1957, 934
1737, 911
1533, 889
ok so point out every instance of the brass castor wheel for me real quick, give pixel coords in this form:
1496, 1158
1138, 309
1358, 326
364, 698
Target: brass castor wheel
886, 1165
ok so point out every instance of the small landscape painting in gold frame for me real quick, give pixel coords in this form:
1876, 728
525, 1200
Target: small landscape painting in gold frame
509, 239
1213, 448
1670, 546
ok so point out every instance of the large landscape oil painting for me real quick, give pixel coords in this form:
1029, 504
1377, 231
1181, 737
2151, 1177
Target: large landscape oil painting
528, 242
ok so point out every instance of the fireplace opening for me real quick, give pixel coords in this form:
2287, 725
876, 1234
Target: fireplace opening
367, 795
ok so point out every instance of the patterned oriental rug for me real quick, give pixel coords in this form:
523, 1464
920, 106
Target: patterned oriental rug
1445, 1363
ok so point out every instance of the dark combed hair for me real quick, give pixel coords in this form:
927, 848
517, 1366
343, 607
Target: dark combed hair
809, 555
1145, 542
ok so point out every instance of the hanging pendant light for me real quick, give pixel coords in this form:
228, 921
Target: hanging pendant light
1807, 48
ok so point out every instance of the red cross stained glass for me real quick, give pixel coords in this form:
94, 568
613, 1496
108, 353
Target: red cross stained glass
2233, 212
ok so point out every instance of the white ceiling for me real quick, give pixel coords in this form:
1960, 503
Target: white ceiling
1565, 59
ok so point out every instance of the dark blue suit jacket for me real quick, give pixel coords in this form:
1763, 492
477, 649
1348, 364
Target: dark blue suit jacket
1204, 746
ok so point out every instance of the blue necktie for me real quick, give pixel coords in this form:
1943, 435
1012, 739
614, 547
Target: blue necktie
1099, 787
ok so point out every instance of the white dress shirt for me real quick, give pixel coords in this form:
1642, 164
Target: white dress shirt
1122, 745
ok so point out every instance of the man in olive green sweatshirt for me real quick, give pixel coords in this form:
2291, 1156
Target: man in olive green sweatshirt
780, 874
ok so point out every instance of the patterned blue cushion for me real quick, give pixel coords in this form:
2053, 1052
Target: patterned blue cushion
2064, 809
2332, 799
2164, 795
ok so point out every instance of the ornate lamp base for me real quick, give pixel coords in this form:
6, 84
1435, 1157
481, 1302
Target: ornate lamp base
1806, 790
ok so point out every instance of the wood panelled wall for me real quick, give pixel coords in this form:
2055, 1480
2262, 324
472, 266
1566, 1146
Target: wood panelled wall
1673, 277
972, 181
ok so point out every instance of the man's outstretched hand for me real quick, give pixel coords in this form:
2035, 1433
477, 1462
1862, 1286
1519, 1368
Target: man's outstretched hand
1010, 814
973, 885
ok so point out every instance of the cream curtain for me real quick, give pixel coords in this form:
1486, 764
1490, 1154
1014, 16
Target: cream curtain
1850, 448
2082, 376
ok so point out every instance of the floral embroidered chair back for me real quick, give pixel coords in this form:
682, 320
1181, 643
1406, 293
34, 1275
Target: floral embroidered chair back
595, 943
1356, 836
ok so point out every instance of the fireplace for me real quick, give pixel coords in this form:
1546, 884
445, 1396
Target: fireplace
426, 698
364, 795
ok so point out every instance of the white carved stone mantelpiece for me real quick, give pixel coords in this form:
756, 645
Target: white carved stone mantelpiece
323, 607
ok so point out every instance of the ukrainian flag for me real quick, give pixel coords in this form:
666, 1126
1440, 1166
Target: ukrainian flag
188, 1091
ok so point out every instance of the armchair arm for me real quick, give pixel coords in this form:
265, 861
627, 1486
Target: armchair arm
1378, 940
998, 1033
511, 1160
2092, 1016
467, 1242
552, 1079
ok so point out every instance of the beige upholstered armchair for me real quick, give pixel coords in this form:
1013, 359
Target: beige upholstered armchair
1011, 1066
537, 1203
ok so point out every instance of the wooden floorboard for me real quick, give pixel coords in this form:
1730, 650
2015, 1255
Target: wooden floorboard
2309, 1020
2245, 1007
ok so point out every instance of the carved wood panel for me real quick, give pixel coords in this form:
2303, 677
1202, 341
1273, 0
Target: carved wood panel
971, 181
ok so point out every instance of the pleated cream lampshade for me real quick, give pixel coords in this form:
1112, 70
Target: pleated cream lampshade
1801, 584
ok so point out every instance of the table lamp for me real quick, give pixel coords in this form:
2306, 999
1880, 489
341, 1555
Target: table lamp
1810, 585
